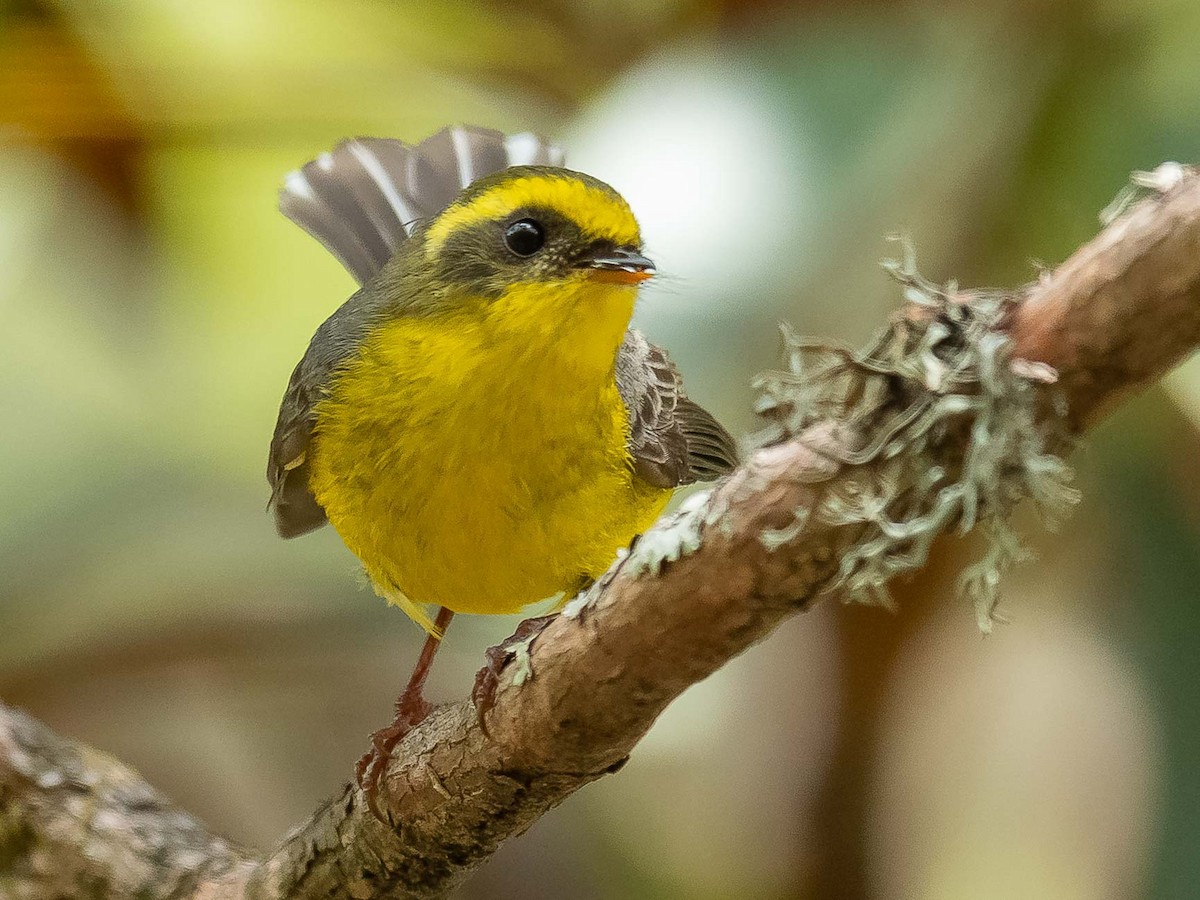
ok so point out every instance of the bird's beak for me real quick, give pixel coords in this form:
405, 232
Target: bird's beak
619, 266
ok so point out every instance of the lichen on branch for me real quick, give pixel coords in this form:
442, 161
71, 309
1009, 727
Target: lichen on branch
954, 437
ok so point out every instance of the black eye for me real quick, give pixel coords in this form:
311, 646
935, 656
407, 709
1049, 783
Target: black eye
524, 237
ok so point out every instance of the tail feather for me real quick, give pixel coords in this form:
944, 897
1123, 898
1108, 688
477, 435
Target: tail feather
460, 155
389, 211
313, 212
365, 197
432, 181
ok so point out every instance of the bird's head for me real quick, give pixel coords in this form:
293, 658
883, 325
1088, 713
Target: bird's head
536, 227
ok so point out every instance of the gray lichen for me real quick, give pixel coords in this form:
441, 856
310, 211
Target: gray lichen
774, 538
952, 438
522, 660
1144, 184
678, 536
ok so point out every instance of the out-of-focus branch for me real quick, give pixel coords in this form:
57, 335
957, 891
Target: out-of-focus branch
571, 703
75, 822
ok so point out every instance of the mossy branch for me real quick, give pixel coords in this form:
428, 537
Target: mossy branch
958, 411
947, 434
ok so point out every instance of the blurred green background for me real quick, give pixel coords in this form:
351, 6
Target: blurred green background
153, 302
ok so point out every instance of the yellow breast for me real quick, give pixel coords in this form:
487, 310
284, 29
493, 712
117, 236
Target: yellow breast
477, 459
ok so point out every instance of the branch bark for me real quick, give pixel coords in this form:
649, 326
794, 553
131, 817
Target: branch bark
1114, 317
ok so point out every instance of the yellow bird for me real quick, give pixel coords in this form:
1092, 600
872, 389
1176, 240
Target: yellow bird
478, 422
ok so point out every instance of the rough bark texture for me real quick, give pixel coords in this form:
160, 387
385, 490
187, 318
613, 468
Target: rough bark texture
571, 703
74, 822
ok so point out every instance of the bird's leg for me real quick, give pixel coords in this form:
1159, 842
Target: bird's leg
411, 710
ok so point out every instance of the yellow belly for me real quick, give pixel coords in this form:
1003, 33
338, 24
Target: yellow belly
479, 461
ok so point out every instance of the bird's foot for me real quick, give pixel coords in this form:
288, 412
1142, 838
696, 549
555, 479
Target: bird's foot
411, 711
515, 647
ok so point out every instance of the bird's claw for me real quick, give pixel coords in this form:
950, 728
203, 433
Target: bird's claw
371, 767
487, 679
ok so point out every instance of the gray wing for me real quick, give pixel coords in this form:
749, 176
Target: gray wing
362, 200
296, 510
672, 440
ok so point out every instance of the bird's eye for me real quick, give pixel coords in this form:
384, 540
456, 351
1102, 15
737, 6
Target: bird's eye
524, 237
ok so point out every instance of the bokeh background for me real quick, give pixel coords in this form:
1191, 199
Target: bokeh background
153, 302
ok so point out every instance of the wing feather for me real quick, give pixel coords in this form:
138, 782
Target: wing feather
672, 440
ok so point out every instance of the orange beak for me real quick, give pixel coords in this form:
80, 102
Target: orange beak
621, 276
620, 266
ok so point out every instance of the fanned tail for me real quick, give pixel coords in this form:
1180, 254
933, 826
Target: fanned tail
364, 198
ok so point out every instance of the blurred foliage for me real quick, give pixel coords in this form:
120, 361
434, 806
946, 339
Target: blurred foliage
152, 303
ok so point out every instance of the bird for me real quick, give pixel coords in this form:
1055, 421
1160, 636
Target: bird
478, 421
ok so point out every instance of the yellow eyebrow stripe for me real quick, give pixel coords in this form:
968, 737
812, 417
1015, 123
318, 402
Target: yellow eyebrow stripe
598, 213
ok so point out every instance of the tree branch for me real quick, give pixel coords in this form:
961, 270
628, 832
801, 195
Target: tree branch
1123, 310
571, 701
75, 822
